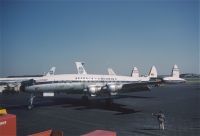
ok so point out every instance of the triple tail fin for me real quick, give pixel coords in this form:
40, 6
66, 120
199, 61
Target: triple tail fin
175, 71
111, 72
80, 68
135, 72
153, 72
51, 71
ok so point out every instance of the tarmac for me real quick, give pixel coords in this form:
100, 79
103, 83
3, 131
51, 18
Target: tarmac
128, 115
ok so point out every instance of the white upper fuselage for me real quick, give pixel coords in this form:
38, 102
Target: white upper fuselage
86, 78
16, 79
19, 79
76, 77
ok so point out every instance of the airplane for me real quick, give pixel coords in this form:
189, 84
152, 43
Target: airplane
15, 81
82, 83
174, 78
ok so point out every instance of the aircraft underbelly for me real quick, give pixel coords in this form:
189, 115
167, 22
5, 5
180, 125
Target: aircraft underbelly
173, 81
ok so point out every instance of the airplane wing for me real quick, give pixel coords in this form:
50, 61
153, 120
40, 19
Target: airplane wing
117, 88
139, 86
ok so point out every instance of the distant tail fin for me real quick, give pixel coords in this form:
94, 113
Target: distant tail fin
111, 72
51, 71
80, 68
153, 72
175, 71
135, 72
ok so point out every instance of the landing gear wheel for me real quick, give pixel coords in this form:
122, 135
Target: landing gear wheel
30, 107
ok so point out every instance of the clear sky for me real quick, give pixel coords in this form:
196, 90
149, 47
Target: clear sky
36, 35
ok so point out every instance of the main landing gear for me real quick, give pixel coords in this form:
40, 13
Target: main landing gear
85, 98
31, 99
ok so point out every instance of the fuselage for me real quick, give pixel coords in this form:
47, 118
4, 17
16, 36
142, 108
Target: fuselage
69, 82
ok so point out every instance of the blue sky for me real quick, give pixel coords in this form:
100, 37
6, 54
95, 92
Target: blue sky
36, 35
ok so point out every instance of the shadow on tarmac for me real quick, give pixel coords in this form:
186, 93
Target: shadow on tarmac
135, 97
103, 105
79, 104
144, 133
147, 131
150, 129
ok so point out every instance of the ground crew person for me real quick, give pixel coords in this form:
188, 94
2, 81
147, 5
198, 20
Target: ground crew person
161, 119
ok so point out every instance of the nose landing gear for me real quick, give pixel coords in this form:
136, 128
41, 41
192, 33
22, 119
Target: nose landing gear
30, 106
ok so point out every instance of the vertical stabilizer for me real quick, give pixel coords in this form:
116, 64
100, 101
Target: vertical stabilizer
135, 72
80, 68
175, 71
111, 72
51, 71
153, 72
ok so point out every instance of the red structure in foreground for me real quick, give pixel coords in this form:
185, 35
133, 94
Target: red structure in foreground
48, 133
101, 133
44, 133
8, 125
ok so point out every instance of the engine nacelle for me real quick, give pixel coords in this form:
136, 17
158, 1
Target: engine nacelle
114, 88
27, 83
93, 90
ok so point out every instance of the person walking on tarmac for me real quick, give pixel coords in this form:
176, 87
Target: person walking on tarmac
161, 119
